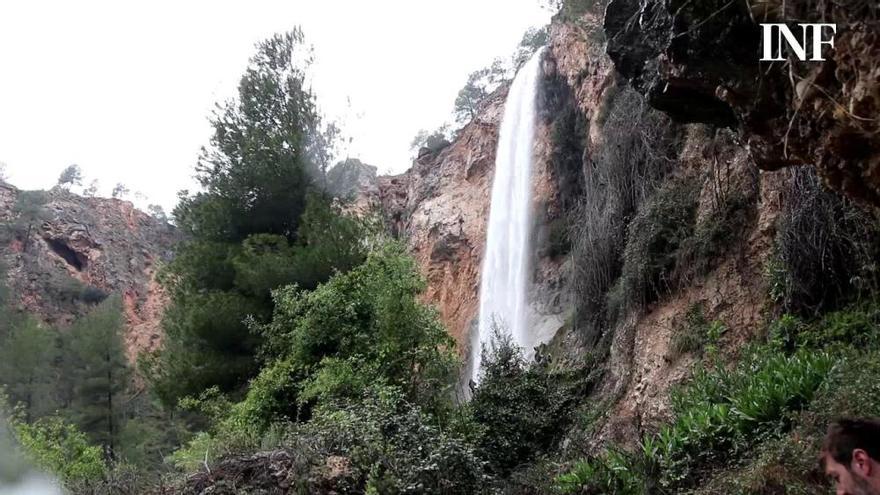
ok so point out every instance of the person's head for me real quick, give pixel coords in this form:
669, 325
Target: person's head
851, 456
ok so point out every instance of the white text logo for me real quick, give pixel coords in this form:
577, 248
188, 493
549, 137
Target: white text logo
811, 34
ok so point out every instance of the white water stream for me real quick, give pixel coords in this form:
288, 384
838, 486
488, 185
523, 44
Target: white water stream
506, 262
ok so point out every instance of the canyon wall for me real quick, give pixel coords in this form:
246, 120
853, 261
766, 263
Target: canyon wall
440, 208
64, 253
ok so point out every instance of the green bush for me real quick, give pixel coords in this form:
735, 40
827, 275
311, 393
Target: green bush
857, 326
61, 449
713, 235
654, 236
854, 326
364, 326
521, 410
718, 414
615, 472
787, 464
692, 335
396, 448
386, 444
559, 243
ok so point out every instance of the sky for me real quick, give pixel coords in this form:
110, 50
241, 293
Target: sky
125, 89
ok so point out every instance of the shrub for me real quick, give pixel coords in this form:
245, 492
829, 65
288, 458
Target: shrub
360, 327
521, 410
691, 335
637, 151
787, 464
719, 413
656, 233
380, 442
61, 449
395, 448
826, 247
854, 326
93, 295
714, 234
616, 472
558, 243
363, 328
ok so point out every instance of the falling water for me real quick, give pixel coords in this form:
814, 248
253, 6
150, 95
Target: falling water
504, 276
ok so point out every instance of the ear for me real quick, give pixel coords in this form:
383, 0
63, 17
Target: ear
861, 463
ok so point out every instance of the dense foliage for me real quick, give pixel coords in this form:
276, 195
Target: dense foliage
259, 223
520, 410
299, 354
780, 395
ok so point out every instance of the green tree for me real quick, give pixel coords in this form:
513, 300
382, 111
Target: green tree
470, 98
27, 358
264, 152
100, 372
157, 212
258, 224
70, 176
481, 83
92, 190
532, 40
30, 207
120, 191
433, 141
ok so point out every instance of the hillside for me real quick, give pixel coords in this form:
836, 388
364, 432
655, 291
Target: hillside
701, 279
64, 253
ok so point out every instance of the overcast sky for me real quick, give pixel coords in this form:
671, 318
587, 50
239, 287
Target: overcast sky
124, 89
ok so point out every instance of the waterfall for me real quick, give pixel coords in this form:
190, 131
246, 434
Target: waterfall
505, 272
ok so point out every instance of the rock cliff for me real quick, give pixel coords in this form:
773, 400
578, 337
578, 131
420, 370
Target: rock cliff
698, 61
440, 207
64, 253
733, 139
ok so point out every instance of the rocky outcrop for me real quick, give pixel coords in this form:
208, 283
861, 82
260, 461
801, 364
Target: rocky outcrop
354, 182
440, 207
66, 253
699, 62
640, 366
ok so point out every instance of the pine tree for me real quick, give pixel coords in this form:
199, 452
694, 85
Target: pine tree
27, 366
244, 227
31, 210
101, 374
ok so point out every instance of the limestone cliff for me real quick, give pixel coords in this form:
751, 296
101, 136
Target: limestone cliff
441, 206
698, 61
66, 253
640, 367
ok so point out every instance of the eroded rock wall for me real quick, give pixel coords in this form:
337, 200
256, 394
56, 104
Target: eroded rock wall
81, 249
440, 207
640, 365
699, 62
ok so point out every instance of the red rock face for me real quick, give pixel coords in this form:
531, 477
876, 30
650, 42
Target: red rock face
82, 249
440, 207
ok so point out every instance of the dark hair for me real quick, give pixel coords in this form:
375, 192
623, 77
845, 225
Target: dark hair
848, 434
